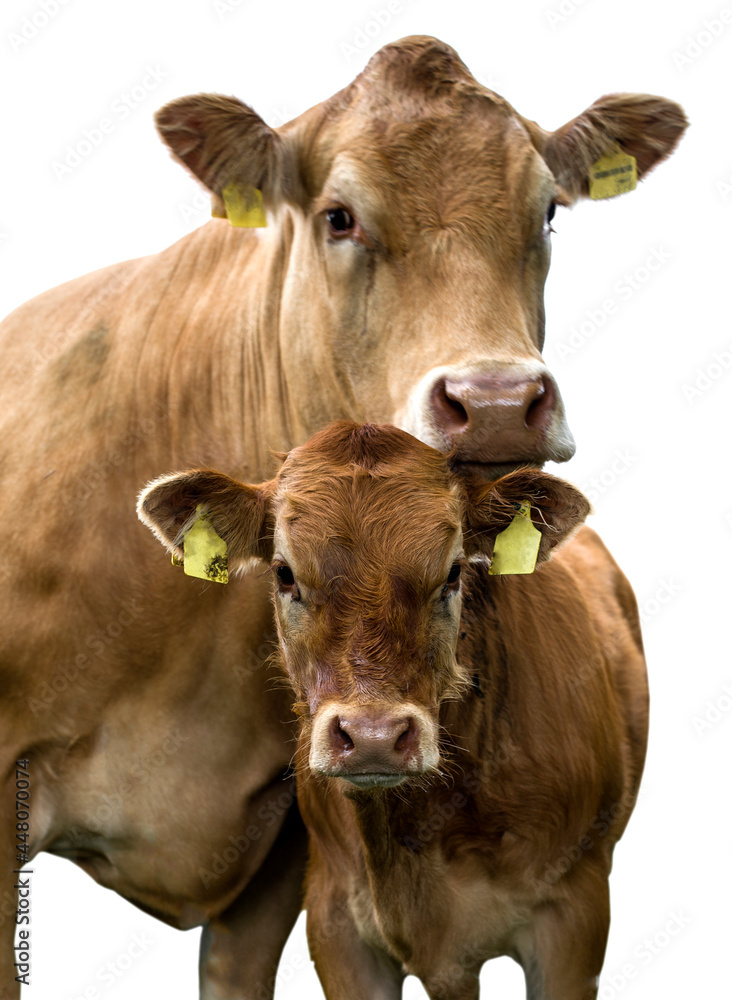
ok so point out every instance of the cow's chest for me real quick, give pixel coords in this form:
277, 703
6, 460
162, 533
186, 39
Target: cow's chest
172, 807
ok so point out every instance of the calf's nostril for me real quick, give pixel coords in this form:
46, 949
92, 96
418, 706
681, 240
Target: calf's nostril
341, 739
404, 738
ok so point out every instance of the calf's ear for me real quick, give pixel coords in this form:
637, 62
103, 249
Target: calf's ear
223, 142
171, 505
557, 509
647, 127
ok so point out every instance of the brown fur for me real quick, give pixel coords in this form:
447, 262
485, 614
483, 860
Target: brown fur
538, 686
220, 349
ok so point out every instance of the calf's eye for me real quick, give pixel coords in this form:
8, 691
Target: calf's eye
452, 583
286, 582
340, 222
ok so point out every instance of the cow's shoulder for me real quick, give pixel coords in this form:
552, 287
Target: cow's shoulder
90, 333
56, 318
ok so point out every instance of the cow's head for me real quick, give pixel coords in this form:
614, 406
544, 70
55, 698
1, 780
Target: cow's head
368, 533
410, 220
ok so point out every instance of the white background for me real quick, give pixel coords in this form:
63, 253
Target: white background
664, 507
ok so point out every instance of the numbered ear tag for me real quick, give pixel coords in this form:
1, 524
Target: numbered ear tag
516, 548
244, 205
204, 552
614, 173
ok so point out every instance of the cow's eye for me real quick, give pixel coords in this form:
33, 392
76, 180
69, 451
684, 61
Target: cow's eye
286, 582
453, 579
548, 228
340, 222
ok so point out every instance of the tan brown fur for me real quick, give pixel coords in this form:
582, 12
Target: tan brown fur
647, 127
217, 352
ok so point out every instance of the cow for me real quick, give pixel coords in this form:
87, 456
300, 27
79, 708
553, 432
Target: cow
399, 279
470, 743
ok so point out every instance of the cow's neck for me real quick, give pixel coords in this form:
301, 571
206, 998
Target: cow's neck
216, 355
224, 375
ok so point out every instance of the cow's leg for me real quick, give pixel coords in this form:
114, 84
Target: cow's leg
9, 989
347, 966
241, 949
563, 951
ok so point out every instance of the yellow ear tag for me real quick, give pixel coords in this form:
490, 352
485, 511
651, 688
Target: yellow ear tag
516, 547
244, 205
614, 173
204, 552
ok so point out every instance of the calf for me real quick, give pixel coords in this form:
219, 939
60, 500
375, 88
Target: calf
470, 746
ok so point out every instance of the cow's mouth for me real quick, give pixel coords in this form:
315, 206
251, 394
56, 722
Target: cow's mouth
491, 470
375, 780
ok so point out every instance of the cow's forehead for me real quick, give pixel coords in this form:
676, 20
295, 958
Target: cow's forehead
474, 168
418, 73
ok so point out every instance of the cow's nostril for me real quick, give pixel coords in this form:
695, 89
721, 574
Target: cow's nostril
540, 409
533, 411
450, 413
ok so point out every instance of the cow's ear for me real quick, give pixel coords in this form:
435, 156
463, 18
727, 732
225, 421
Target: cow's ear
171, 505
557, 510
222, 142
647, 127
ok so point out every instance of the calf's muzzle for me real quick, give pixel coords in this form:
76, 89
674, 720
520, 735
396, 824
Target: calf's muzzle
372, 747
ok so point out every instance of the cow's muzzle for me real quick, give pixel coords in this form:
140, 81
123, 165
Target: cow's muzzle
494, 417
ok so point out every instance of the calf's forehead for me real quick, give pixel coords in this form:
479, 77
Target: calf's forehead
356, 522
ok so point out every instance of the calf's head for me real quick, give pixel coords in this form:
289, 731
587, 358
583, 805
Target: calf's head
410, 220
367, 532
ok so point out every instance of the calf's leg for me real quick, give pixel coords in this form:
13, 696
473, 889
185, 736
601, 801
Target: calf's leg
455, 984
563, 950
241, 948
347, 966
